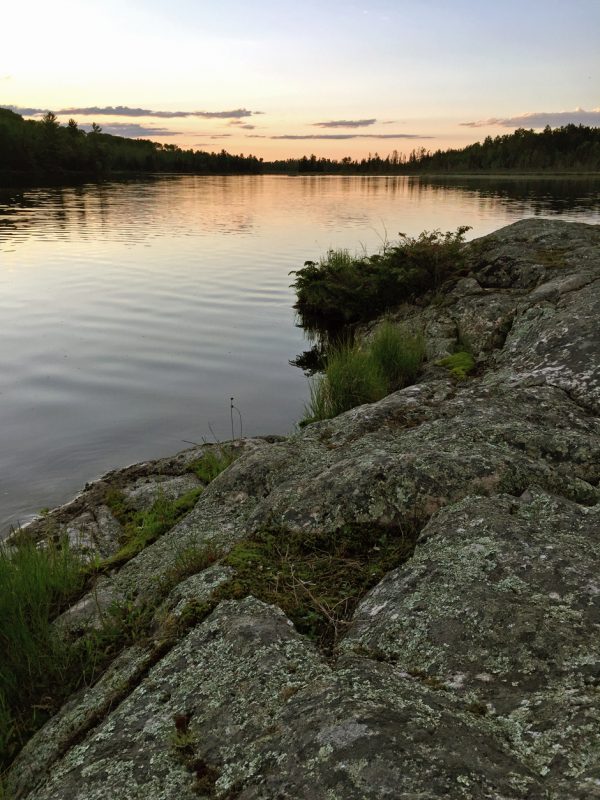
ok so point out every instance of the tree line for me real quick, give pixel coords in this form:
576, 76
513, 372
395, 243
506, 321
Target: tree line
567, 148
46, 148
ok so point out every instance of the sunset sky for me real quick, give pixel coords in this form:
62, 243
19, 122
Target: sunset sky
281, 79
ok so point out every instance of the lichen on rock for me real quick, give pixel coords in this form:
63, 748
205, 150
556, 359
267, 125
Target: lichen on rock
471, 670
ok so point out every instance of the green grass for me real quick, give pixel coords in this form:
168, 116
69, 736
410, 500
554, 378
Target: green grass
39, 669
459, 364
351, 378
35, 585
355, 375
399, 354
212, 463
342, 289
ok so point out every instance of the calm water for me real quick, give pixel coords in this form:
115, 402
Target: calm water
131, 312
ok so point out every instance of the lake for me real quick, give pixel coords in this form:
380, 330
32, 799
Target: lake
133, 311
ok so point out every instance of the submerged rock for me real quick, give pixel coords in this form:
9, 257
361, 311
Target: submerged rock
470, 671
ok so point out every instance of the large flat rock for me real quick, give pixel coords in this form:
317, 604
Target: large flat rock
472, 670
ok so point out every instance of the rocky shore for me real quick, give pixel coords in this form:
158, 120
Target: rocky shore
471, 670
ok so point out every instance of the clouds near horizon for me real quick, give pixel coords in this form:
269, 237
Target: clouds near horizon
133, 130
539, 119
127, 111
351, 136
345, 123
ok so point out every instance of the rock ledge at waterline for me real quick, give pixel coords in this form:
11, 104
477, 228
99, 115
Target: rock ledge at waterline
473, 670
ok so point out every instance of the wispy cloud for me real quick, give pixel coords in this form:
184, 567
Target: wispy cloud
132, 130
539, 119
353, 136
345, 123
126, 111
26, 112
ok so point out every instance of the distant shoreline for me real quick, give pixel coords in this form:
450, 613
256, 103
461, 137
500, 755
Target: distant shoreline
10, 180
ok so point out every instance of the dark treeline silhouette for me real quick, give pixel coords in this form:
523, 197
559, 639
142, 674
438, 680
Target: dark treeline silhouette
47, 149
568, 148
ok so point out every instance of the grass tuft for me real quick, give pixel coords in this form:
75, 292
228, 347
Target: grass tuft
355, 375
212, 463
351, 378
35, 585
316, 578
399, 354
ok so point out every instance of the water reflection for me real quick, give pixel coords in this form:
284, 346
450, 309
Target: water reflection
131, 212
528, 195
132, 311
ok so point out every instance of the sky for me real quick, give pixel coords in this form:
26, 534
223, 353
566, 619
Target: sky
281, 79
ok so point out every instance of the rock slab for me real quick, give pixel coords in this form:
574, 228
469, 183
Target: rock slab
473, 670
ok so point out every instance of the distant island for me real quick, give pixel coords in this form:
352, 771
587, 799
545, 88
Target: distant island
34, 150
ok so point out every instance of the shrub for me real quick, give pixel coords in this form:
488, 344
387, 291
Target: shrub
342, 289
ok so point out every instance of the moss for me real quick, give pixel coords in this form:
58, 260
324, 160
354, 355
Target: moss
459, 364
141, 528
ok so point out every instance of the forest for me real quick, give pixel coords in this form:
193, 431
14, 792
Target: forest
46, 149
570, 148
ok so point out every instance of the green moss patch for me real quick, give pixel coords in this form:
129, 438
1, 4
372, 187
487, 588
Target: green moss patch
459, 364
141, 528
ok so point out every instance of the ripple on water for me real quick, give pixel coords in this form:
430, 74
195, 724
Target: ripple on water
132, 311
